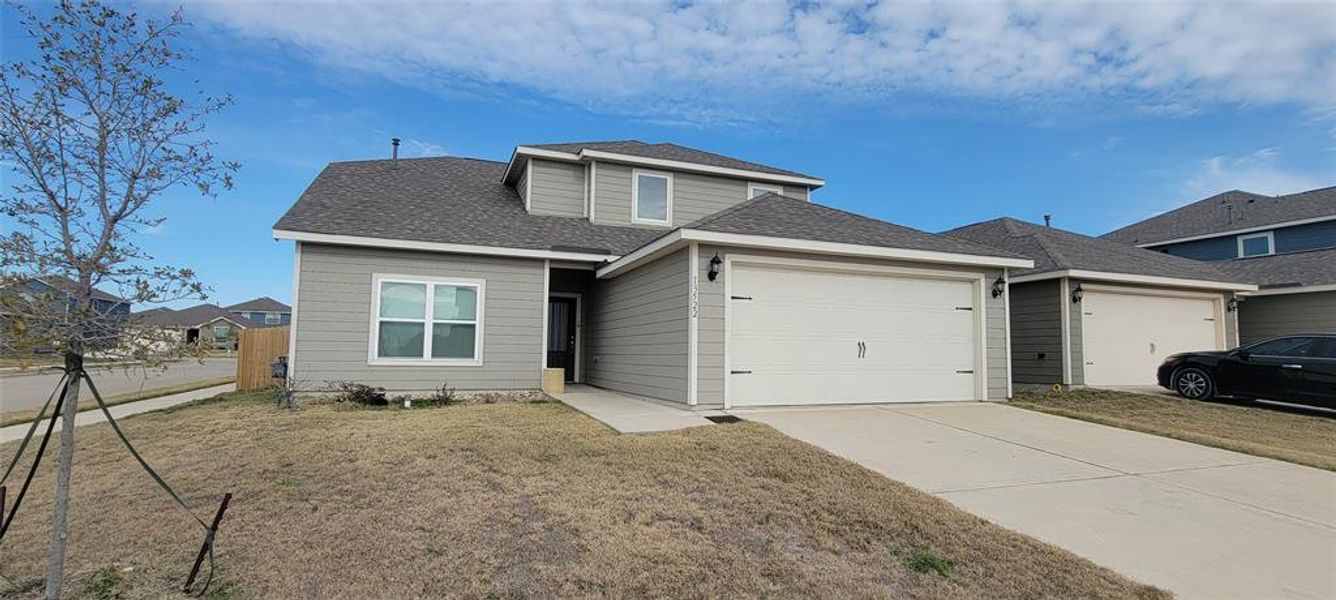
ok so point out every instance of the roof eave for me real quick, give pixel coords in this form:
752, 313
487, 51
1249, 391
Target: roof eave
587, 155
373, 242
1109, 276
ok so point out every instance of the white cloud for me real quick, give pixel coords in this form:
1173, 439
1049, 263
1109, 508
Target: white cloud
1256, 172
413, 148
732, 58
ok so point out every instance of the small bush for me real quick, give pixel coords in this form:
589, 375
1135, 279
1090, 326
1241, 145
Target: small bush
358, 393
106, 584
441, 396
924, 561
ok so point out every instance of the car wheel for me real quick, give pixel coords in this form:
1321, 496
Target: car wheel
1194, 384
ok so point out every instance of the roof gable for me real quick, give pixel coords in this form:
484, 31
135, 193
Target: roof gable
261, 304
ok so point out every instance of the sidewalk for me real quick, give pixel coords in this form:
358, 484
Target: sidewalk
16, 432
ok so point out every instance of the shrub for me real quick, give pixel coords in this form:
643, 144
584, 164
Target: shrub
363, 394
441, 396
924, 561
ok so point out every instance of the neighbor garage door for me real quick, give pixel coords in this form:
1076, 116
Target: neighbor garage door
1125, 336
801, 336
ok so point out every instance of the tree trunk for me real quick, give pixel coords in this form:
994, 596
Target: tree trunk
55, 570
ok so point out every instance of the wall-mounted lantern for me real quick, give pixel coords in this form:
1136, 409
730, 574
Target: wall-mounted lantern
1232, 304
1077, 294
999, 286
715, 263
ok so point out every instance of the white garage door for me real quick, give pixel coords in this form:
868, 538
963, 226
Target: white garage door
820, 337
1125, 337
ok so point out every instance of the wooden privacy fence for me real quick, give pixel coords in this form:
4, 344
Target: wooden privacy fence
256, 349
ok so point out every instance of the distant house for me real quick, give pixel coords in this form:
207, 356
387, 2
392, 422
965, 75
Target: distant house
207, 325
58, 290
263, 311
1285, 244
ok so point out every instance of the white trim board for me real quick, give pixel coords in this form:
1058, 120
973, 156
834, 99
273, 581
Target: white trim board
292, 319
1207, 236
374, 242
670, 242
1283, 291
676, 165
1130, 278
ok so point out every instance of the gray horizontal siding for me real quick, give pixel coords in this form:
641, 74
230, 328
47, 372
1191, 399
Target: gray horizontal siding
694, 195
557, 188
1312, 236
334, 318
1267, 316
637, 331
1221, 248
1036, 333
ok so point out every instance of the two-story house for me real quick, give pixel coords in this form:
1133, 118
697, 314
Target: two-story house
263, 311
56, 294
1285, 244
650, 269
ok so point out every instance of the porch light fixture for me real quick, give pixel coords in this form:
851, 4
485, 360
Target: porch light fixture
715, 263
999, 286
1232, 304
1077, 294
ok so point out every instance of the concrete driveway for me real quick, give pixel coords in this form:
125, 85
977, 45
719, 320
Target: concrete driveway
1202, 522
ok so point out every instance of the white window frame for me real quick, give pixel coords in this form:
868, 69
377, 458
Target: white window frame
273, 318
752, 186
636, 174
431, 282
1270, 243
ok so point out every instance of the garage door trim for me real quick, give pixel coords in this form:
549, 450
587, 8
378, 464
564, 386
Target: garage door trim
978, 279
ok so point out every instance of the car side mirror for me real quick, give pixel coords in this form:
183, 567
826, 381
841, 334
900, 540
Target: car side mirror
1244, 355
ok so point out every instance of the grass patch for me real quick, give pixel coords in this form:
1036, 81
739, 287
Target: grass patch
1306, 439
106, 584
518, 500
87, 402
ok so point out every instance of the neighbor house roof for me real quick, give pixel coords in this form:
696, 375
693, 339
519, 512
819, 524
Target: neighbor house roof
1054, 250
667, 151
261, 304
443, 200
194, 316
1228, 212
66, 285
1293, 269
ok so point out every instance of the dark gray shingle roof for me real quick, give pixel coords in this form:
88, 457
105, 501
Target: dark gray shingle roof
261, 304
1229, 211
1057, 250
1315, 267
449, 200
780, 216
188, 317
666, 151
65, 285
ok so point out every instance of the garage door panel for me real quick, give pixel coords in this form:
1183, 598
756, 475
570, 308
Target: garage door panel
1125, 337
797, 332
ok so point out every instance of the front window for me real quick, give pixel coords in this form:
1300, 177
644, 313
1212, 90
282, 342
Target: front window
1258, 244
437, 321
652, 197
756, 189
221, 330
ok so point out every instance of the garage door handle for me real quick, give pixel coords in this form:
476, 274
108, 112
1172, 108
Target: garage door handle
739, 372
968, 372
739, 297
1291, 366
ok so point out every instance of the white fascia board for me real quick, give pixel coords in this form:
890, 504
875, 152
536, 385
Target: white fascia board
1298, 289
680, 236
535, 152
1130, 278
1233, 232
699, 168
372, 242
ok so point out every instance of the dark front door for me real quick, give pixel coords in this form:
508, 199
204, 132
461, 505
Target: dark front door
561, 325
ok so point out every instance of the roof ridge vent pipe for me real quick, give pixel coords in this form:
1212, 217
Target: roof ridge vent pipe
394, 153
1048, 220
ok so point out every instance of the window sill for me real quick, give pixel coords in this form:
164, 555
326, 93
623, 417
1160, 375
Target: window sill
421, 362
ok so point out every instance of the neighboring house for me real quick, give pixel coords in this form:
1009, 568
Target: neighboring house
1286, 244
58, 290
263, 311
1100, 313
650, 269
207, 325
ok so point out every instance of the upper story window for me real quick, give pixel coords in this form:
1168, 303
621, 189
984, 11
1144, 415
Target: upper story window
652, 197
756, 189
272, 318
427, 321
1257, 244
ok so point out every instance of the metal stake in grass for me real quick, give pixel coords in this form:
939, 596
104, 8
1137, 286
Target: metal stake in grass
208, 542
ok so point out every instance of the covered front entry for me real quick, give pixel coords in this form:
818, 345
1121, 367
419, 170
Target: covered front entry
813, 335
1126, 335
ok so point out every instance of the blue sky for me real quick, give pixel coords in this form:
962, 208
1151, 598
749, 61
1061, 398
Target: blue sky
928, 115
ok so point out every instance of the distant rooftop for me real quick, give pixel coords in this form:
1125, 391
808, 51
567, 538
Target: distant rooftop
1226, 212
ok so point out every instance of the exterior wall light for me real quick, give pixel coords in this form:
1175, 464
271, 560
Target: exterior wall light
1232, 304
1077, 294
715, 263
999, 286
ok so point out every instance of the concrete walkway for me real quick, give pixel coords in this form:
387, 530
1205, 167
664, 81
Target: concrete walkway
1202, 522
89, 417
627, 413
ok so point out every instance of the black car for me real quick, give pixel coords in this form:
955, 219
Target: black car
1299, 369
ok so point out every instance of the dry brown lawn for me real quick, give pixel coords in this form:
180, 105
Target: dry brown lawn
1294, 436
515, 500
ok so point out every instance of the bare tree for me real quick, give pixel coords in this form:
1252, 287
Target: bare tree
92, 133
